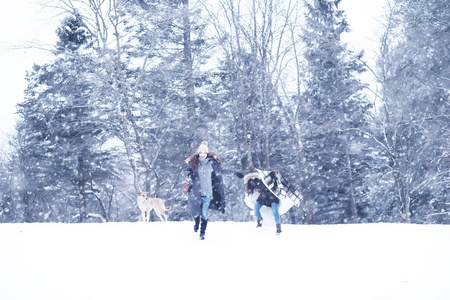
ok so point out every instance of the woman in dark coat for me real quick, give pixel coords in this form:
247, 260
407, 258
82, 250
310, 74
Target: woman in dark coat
206, 191
254, 185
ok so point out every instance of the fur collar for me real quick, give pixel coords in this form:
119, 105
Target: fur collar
252, 176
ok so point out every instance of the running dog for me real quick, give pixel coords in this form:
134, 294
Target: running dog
146, 205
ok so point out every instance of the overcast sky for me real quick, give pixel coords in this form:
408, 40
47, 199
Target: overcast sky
23, 24
26, 24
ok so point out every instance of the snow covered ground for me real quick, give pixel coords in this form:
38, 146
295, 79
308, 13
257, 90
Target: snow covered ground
236, 261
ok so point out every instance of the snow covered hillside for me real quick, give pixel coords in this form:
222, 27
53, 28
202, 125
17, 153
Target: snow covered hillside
236, 261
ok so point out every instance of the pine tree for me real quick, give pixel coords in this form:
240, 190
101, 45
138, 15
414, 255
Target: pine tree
62, 135
332, 113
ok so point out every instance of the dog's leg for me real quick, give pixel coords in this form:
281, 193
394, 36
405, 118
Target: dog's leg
158, 213
165, 217
163, 209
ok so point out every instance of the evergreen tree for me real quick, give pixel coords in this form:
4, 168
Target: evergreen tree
62, 135
7, 204
332, 113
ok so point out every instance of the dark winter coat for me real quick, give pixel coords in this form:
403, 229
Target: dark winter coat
253, 184
194, 194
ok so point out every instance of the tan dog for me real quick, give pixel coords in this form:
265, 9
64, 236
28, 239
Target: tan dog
147, 204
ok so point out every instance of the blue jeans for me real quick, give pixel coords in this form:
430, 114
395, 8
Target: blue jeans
275, 212
205, 206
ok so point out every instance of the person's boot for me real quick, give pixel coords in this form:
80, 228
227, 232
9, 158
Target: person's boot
203, 228
278, 229
197, 223
259, 223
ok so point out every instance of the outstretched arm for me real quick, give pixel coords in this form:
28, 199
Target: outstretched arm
227, 171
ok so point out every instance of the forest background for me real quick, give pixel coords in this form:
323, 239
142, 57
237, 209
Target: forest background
134, 86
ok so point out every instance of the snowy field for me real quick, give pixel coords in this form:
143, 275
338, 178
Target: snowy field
130, 261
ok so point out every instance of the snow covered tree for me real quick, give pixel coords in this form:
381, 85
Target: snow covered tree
72, 34
8, 178
62, 135
332, 113
413, 123
175, 113
256, 58
136, 85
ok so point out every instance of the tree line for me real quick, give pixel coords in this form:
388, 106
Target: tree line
134, 86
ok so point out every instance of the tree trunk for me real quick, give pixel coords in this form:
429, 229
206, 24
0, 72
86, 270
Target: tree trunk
408, 174
189, 77
126, 113
353, 212
82, 190
247, 134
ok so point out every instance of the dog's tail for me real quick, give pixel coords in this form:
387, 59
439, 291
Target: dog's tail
168, 208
